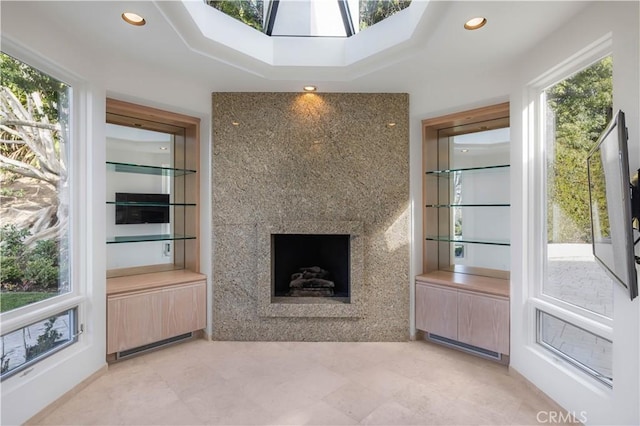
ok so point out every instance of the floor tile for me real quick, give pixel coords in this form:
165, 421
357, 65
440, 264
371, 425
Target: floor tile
392, 413
355, 400
298, 383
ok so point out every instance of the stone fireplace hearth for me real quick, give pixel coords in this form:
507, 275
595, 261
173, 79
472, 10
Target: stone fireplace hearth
327, 164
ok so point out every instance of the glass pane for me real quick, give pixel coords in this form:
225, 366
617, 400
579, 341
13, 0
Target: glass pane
24, 346
34, 181
466, 170
576, 114
479, 197
309, 19
586, 350
146, 238
374, 11
146, 170
251, 12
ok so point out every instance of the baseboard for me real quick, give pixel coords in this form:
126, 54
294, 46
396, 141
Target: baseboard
518, 376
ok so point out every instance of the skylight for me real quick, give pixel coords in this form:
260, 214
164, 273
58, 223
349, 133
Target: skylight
309, 18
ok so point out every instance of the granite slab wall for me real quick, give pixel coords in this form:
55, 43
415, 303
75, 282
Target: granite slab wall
303, 162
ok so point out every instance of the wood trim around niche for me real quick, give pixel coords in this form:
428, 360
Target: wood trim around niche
477, 119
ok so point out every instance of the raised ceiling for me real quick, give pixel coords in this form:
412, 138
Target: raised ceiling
423, 40
206, 30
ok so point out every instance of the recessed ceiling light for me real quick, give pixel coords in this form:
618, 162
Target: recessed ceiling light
475, 23
391, 124
133, 19
164, 148
309, 88
464, 150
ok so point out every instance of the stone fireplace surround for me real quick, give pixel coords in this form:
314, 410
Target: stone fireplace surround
319, 163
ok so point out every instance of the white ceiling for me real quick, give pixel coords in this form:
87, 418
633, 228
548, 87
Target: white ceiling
438, 44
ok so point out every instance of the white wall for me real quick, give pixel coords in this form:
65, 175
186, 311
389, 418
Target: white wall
571, 389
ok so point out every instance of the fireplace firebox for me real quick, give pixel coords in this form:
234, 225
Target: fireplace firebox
310, 265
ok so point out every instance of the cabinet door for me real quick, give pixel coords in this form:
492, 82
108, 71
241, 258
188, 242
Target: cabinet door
184, 310
437, 311
484, 322
141, 318
134, 320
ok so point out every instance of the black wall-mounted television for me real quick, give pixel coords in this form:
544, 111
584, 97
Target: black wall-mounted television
135, 208
610, 195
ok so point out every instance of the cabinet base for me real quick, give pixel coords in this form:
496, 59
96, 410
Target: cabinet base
150, 347
473, 350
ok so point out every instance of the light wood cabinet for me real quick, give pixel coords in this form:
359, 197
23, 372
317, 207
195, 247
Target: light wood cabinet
483, 321
434, 309
465, 308
148, 308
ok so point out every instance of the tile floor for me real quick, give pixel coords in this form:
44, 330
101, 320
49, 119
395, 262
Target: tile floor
299, 383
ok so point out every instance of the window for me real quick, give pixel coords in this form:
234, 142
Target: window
23, 347
577, 111
580, 294
338, 18
35, 249
584, 349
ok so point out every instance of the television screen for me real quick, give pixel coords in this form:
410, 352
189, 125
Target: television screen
135, 208
610, 199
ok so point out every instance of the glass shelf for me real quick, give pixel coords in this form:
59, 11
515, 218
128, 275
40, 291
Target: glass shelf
446, 172
468, 240
134, 203
146, 170
439, 206
142, 238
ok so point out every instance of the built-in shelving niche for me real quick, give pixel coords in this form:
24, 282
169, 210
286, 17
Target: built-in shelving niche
134, 166
466, 194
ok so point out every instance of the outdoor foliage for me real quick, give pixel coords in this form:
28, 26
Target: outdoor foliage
27, 268
374, 11
248, 11
581, 106
32, 143
33, 174
46, 341
16, 299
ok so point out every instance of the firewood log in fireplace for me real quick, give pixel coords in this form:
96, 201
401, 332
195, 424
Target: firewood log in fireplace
311, 281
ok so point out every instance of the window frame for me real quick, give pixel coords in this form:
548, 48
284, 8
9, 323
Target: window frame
535, 245
78, 233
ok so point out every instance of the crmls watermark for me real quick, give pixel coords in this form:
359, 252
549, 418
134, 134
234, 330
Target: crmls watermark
553, 417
